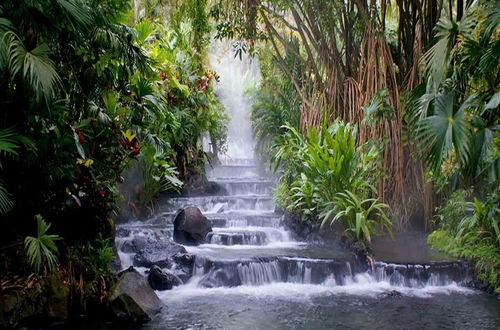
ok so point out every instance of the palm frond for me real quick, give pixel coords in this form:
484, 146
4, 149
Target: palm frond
36, 66
444, 132
436, 59
6, 203
76, 11
41, 250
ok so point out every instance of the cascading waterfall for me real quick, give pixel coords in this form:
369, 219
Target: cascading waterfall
250, 254
236, 76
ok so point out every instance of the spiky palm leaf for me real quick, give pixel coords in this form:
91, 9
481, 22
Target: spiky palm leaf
36, 66
10, 142
436, 60
41, 250
76, 11
444, 132
6, 203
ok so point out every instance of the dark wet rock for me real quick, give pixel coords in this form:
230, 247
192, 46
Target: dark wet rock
183, 265
122, 232
392, 294
45, 301
158, 253
162, 279
132, 299
137, 244
191, 226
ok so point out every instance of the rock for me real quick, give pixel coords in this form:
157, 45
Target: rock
132, 299
158, 253
162, 279
191, 226
183, 266
122, 232
58, 297
136, 244
44, 302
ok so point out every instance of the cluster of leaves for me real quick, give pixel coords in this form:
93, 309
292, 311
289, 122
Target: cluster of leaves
471, 230
89, 267
456, 112
327, 177
456, 117
91, 89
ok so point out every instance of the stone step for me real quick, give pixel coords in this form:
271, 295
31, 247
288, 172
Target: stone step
249, 187
234, 171
218, 204
212, 272
247, 236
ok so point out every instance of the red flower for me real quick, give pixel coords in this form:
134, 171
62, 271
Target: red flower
81, 138
134, 153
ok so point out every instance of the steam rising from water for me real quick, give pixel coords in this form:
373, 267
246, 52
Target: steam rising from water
236, 76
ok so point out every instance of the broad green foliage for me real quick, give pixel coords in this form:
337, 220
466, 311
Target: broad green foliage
471, 229
458, 121
93, 89
41, 249
458, 116
328, 176
361, 218
379, 108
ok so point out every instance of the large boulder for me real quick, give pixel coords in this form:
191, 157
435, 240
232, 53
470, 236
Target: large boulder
132, 299
191, 226
45, 301
158, 253
162, 279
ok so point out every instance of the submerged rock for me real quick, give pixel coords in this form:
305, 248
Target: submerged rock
183, 265
136, 244
191, 226
132, 299
157, 253
162, 279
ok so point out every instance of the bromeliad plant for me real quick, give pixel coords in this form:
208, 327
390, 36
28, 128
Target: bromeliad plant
361, 217
328, 177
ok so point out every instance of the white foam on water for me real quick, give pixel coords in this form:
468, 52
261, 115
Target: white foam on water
272, 234
362, 286
210, 249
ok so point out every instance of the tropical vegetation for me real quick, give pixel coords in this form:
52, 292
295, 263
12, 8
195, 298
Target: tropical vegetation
417, 80
376, 116
104, 107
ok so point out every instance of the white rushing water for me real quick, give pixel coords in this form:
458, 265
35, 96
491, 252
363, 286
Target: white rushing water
251, 273
250, 260
236, 76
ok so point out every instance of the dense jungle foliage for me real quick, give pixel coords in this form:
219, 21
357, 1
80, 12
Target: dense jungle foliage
104, 103
414, 87
377, 115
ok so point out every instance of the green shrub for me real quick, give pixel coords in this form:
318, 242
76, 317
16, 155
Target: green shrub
484, 255
470, 230
327, 177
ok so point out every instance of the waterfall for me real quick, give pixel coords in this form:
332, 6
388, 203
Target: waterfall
235, 77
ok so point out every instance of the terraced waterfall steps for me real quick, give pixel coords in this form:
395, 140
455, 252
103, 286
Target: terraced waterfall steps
250, 255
